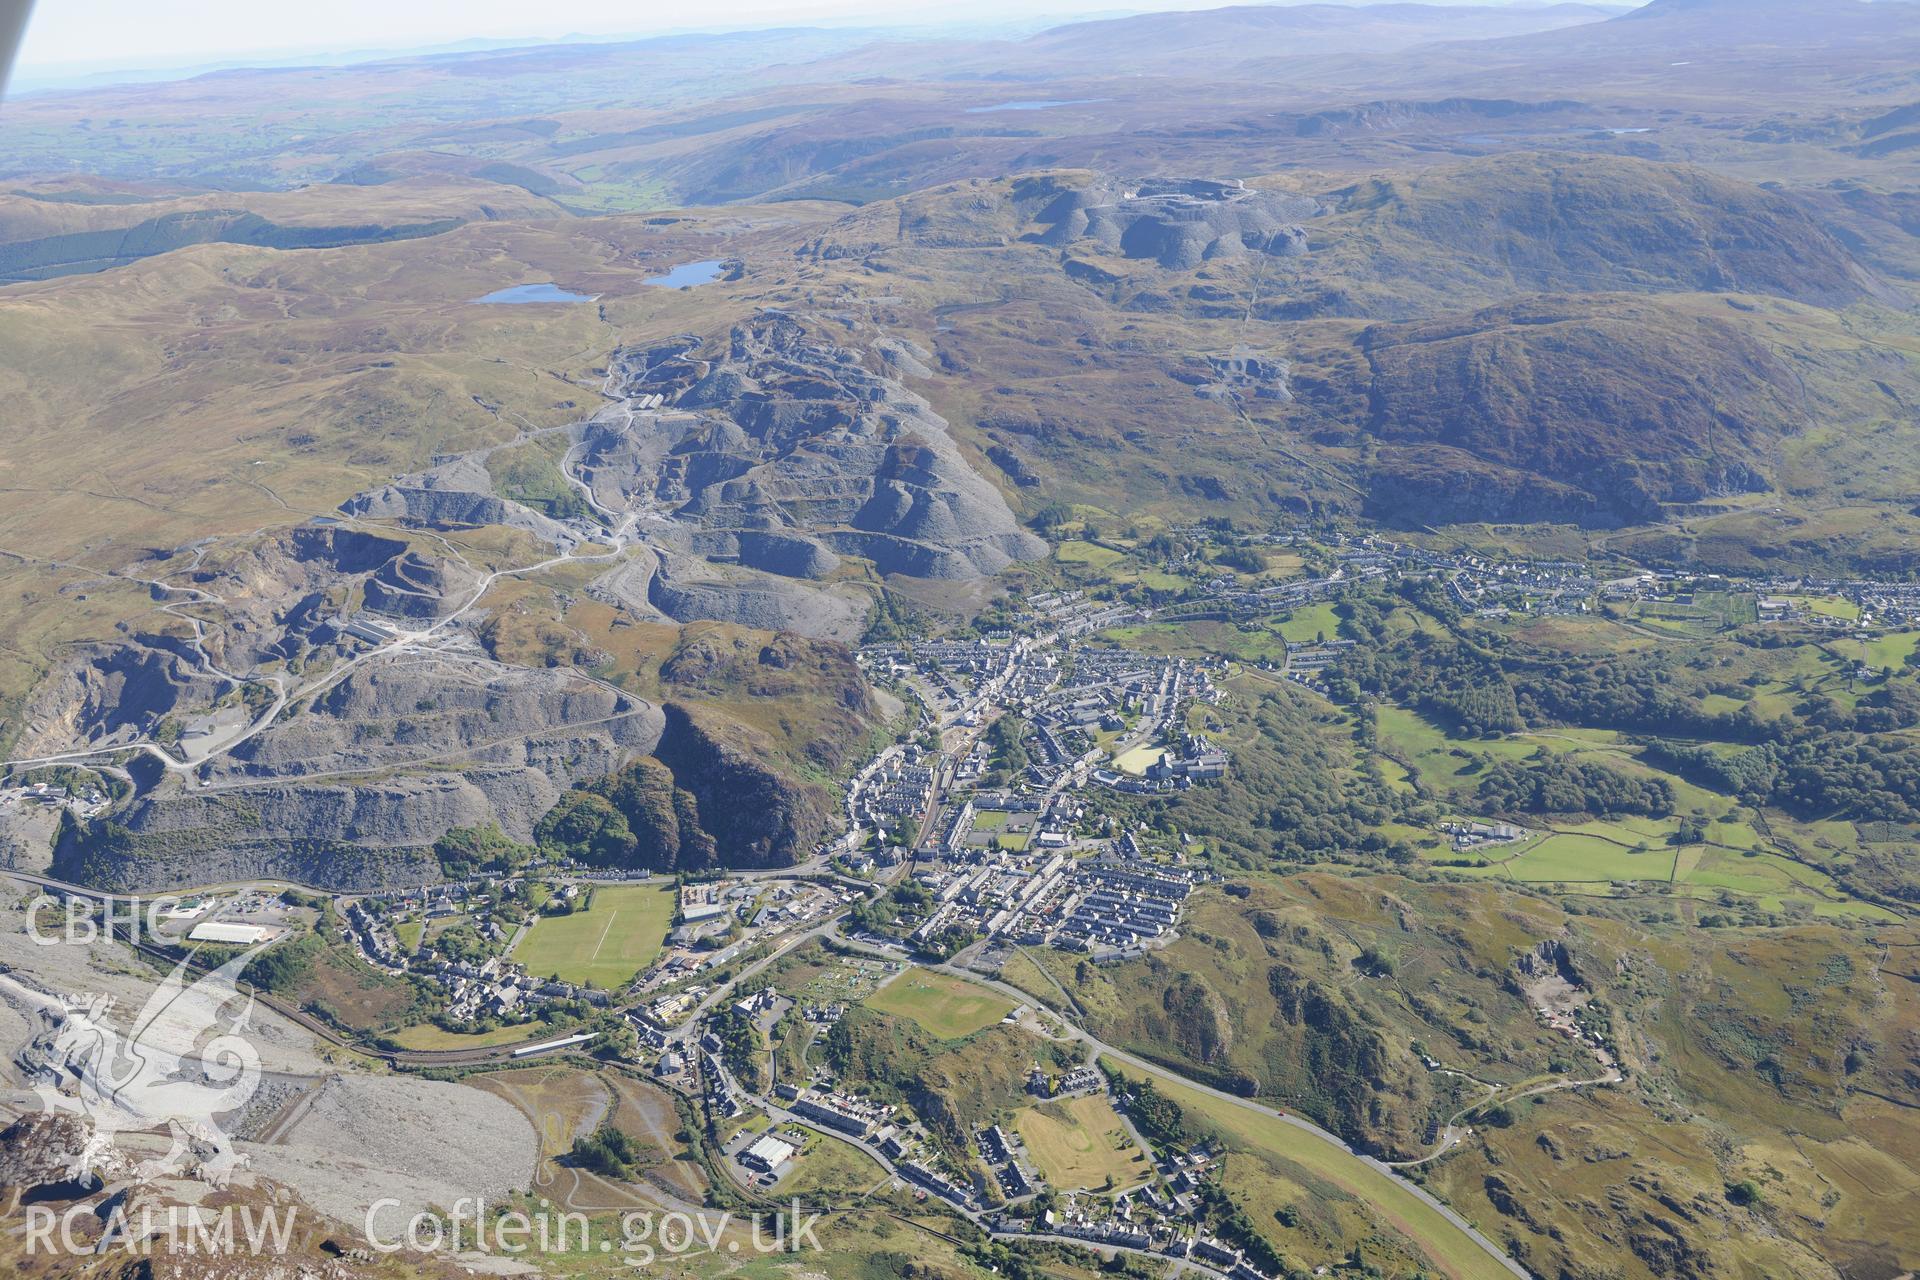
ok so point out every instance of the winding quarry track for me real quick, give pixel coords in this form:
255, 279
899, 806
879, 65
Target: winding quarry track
430, 639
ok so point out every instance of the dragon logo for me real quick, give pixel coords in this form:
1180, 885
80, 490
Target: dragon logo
184, 1062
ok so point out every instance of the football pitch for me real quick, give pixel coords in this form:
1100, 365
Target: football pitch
615, 938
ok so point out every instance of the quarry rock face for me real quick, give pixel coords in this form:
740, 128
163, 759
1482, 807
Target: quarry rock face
767, 460
731, 481
379, 717
795, 447
1240, 373
1176, 223
786, 554
418, 587
106, 693
752, 816
326, 797
454, 494
40, 1150
686, 588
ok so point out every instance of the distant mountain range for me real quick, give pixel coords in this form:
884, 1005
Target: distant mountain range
1459, 199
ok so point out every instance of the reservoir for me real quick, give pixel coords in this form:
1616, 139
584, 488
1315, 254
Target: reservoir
688, 273
522, 293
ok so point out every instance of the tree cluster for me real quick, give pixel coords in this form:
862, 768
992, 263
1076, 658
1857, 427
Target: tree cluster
608, 1152
483, 850
1558, 784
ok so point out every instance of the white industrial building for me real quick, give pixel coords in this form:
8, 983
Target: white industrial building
229, 933
767, 1153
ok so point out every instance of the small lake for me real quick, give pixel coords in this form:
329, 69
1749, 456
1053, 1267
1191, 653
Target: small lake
1035, 104
523, 293
688, 273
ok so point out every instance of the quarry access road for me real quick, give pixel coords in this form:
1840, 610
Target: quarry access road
1455, 1134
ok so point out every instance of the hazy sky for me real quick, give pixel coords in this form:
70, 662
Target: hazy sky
68, 34
80, 35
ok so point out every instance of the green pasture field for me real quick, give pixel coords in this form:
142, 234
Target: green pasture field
948, 1007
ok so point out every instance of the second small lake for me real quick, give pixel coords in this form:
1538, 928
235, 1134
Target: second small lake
689, 273
522, 293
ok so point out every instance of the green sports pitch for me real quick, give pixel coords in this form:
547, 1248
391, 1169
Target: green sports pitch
948, 1007
607, 944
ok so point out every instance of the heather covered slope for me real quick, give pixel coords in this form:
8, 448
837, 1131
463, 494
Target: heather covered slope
1562, 223
1393, 348
75, 225
1593, 410
1320, 993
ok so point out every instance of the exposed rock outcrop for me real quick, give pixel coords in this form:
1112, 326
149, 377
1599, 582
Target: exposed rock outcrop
418, 587
1178, 223
756, 817
1241, 373
112, 693
40, 1151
